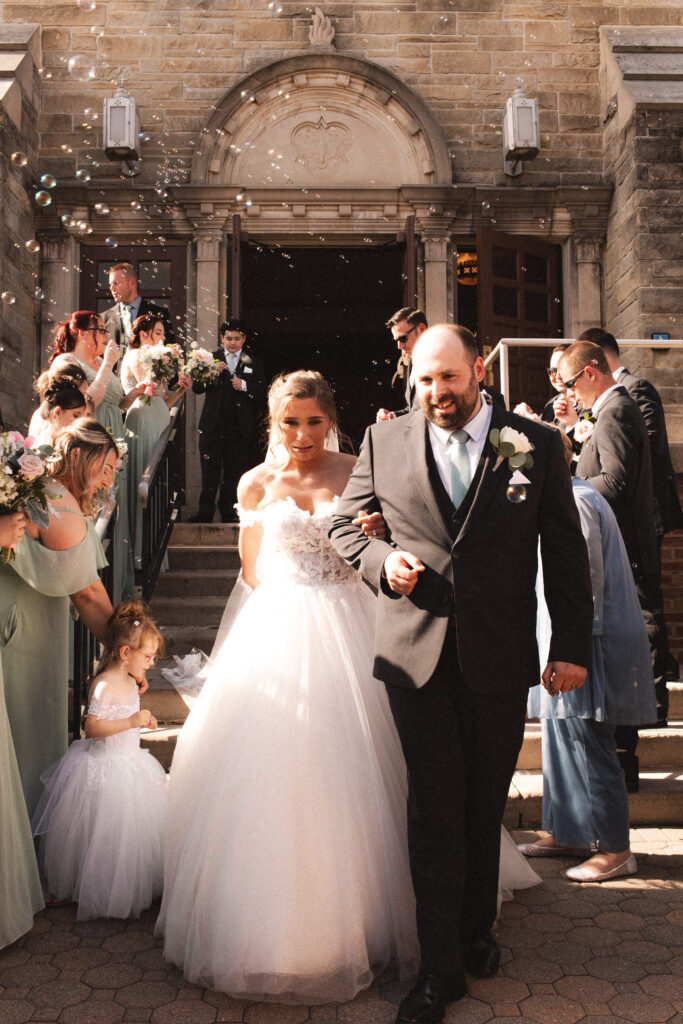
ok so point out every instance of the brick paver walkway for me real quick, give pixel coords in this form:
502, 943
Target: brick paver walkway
588, 953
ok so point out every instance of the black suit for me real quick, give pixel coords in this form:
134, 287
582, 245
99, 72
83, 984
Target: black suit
459, 653
668, 514
114, 324
616, 460
227, 433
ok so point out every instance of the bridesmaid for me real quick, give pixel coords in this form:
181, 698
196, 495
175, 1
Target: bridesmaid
68, 372
51, 566
21, 895
84, 337
62, 404
145, 423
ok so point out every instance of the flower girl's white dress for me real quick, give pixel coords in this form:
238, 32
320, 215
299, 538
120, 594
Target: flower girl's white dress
102, 821
287, 873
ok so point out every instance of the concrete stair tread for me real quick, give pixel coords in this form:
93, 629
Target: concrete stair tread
203, 534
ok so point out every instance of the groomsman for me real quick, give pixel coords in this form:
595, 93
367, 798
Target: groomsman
455, 639
128, 306
228, 423
406, 326
667, 505
615, 458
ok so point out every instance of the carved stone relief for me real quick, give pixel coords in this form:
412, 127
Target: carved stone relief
321, 146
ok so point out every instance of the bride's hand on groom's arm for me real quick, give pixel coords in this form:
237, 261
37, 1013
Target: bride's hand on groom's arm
401, 570
563, 676
372, 524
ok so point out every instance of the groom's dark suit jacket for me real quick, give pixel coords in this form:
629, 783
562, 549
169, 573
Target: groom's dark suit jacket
481, 561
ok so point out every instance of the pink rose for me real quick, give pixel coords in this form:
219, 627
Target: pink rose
31, 466
583, 430
16, 437
150, 389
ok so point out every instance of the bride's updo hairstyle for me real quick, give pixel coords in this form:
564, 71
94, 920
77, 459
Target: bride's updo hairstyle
300, 384
147, 322
130, 626
77, 451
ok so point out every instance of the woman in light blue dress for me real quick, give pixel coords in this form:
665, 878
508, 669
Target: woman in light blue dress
84, 338
53, 566
21, 895
585, 803
147, 418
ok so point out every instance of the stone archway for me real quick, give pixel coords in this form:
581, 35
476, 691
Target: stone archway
322, 119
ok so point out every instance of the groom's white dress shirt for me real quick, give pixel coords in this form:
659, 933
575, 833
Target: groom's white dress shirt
477, 428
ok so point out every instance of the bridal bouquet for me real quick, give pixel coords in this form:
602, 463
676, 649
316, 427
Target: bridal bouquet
201, 366
161, 364
23, 474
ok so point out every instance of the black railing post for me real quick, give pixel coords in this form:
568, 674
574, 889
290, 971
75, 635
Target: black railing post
161, 496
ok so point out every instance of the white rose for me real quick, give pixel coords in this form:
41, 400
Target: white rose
520, 442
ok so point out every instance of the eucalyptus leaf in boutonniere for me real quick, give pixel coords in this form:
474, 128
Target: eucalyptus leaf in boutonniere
511, 445
585, 427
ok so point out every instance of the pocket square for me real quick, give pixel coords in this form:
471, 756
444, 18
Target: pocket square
518, 478
247, 369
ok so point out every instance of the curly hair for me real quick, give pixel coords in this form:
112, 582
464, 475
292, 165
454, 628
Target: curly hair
301, 384
78, 449
129, 626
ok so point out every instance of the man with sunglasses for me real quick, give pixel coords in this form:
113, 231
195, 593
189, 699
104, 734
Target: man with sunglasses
616, 460
406, 326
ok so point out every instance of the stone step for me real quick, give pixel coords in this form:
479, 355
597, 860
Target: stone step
204, 534
658, 803
657, 748
182, 639
183, 557
196, 583
181, 611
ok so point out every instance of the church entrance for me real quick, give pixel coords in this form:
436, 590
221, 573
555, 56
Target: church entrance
325, 309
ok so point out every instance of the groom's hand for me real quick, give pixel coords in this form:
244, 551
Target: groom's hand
562, 676
401, 570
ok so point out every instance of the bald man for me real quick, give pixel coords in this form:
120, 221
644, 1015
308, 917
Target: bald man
455, 639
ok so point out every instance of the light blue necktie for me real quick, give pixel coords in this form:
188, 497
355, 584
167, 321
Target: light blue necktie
232, 361
460, 465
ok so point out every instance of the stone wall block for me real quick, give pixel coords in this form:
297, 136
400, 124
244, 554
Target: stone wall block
660, 300
652, 14
259, 29
461, 63
665, 175
579, 103
546, 11
659, 149
583, 15
51, 12
545, 33
126, 47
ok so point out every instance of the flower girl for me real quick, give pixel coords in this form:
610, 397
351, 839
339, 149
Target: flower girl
102, 818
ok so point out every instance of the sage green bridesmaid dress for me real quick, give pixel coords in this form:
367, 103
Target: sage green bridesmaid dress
34, 630
109, 414
144, 426
21, 895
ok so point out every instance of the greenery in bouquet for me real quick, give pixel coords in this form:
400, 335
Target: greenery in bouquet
201, 365
161, 364
23, 475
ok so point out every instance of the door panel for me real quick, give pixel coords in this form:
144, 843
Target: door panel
519, 295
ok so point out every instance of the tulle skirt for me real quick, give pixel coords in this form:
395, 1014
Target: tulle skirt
102, 822
287, 873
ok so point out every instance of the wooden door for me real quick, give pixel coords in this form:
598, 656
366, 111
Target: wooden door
519, 296
161, 274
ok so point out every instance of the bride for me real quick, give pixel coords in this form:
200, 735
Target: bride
287, 872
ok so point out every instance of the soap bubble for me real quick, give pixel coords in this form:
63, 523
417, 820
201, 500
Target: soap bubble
81, 68
43, 198
67, 148
111, 242
82, 225
67, 220
86, 5
516, 493
45, 73
102, 209
83, 175
48, 180
135, 205
9, 298
39, 294
32, 246
243, 198
19, 159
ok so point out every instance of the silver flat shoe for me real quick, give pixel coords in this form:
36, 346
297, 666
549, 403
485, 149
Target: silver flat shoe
584, 874
533, 850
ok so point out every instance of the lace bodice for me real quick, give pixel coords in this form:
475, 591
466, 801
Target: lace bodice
296, 545
126, 742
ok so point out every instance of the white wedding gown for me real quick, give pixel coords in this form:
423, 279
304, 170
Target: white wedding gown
287, 873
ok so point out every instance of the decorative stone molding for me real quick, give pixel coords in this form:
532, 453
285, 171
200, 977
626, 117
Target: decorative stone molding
321, 33
208, 242
317, 119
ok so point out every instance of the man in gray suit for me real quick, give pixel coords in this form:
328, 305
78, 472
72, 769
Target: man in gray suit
129, 305
455, 639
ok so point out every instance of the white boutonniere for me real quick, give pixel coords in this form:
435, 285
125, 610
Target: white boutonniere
245, 360
511, 445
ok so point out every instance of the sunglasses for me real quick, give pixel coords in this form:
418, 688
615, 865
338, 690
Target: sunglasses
572, 381
402, 338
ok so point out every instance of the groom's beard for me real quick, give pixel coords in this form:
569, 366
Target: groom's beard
464, 407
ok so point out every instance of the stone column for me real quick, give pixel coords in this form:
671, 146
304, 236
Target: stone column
60, 284
586, 307
436, 277
209, 243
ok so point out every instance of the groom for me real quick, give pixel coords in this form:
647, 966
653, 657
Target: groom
455, 639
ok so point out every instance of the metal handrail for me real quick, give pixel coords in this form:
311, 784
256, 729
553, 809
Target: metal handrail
500, 352
161, 495
85, 643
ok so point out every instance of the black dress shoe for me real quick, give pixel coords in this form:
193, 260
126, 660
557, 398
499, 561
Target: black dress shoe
427, 1001
197, 519
481, 958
